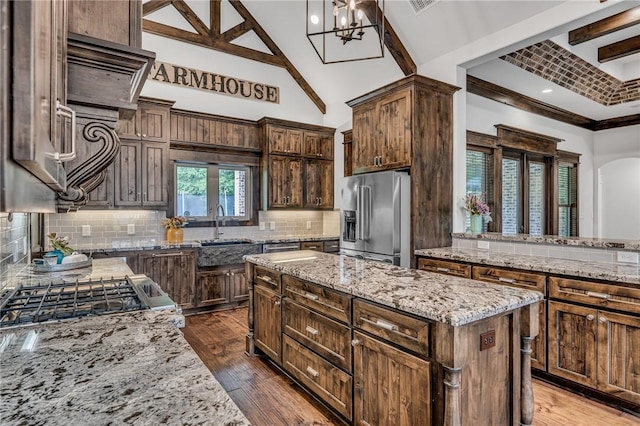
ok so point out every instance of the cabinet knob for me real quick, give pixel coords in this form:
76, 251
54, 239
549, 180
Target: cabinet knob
277, 303
138, 197
356, 342
602, 319
144, 136
138, 134
590, 317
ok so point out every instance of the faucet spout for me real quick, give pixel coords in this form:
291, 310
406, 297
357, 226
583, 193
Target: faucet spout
216, 231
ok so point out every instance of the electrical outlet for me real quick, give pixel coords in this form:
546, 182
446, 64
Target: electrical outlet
272, 226
627, 257
262, 226
86, 230
483, 245
308, 224
131, 229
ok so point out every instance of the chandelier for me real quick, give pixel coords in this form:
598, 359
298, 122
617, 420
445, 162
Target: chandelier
333, 24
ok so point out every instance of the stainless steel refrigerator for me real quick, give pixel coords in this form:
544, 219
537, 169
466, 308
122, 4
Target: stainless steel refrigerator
375, 217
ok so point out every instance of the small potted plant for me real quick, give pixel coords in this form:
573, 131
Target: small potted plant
479, 211
60, 247
174, 225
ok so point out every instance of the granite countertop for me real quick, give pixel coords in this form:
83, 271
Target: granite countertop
451, 300
554, 239
130, 368
595, 270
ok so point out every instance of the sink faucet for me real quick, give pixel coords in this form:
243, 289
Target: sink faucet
216, 232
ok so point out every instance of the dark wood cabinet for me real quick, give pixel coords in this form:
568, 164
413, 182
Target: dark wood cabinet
284, 141
222, 285
318, 184
285, 182
141, 175
445, 267
174, 271
318, 145
348, 152
119, 21
150, 123
404, 378
268, 319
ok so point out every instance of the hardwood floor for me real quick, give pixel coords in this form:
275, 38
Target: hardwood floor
269, 398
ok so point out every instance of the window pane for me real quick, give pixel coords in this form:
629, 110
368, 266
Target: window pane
536, 198
479, 179
568, 200
510, 195
232, 191
191, 191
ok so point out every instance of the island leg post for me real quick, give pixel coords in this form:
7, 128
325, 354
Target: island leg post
452, 396
528, 331
250, 343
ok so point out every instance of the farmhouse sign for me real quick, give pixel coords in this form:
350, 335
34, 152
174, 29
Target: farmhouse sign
203, 80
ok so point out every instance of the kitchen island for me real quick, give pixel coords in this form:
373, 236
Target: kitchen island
380, 344
120, 368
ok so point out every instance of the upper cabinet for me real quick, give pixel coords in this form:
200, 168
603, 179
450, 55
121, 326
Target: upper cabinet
150, 122
382, 133
297, 165
119, 21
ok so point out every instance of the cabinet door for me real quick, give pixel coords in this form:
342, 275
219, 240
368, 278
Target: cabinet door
154, 174
391, 387
174, 271
394, 124
267, 312
278, 181
317, 145
118, 21
153, 123
213, 287
312, 190
284, 141
618, 355
128, 180
325, 173
238, 284
364, 138
572, 342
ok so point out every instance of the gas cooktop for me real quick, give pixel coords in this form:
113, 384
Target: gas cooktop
27, 304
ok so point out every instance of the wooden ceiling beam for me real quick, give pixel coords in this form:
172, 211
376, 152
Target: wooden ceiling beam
153, 5
619, 49
391, 40
190, 16
262, 34
235, 32
605, 26
214, 17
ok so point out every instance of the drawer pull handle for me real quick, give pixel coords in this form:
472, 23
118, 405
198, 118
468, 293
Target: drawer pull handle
590, 317
443, 269
313, 372
265, 278
507, 280
312, 247
602, 320
386, 325
311, 296
604, 296
167, 254
312, 330
356, 342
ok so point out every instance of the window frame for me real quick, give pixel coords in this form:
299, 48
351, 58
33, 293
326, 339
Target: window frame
572, 160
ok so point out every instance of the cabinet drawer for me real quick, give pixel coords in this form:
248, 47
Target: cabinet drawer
312, 245
329, 338
329, 383
403, 330
445, 267
626, 299
267, 278
321, 299
332, 246
526, 280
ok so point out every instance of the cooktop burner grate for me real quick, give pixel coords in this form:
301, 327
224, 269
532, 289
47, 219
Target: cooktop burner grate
56, 301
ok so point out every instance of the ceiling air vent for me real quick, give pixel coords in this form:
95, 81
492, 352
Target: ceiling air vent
421, 5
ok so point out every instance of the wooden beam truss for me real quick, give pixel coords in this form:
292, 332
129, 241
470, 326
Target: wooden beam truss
605, 26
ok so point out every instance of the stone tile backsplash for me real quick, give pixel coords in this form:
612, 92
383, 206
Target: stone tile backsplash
15, 246
587, 254
131, 228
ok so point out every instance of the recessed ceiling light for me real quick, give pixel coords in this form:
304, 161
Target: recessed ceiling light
547, 91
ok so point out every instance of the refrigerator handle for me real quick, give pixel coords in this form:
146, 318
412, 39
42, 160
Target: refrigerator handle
369, 206
358, 213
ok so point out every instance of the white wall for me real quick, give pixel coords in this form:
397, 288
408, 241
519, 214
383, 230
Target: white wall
617, 184
483, 114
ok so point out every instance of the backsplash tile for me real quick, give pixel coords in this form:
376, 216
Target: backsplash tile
15, 248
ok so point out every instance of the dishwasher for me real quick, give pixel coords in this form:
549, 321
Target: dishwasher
278, 247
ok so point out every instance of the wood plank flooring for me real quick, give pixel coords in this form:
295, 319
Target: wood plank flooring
269, 398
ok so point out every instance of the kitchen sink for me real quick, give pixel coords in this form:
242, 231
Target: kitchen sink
209, 243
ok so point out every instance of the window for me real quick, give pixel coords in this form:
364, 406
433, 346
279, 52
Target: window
511, 195
568, 200
206, 190
480, 177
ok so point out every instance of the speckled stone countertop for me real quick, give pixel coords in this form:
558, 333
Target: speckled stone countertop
451, 300
132, 368
601, 271
554, 239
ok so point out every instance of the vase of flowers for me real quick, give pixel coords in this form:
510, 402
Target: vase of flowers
479, 211
174, 225
60, 246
